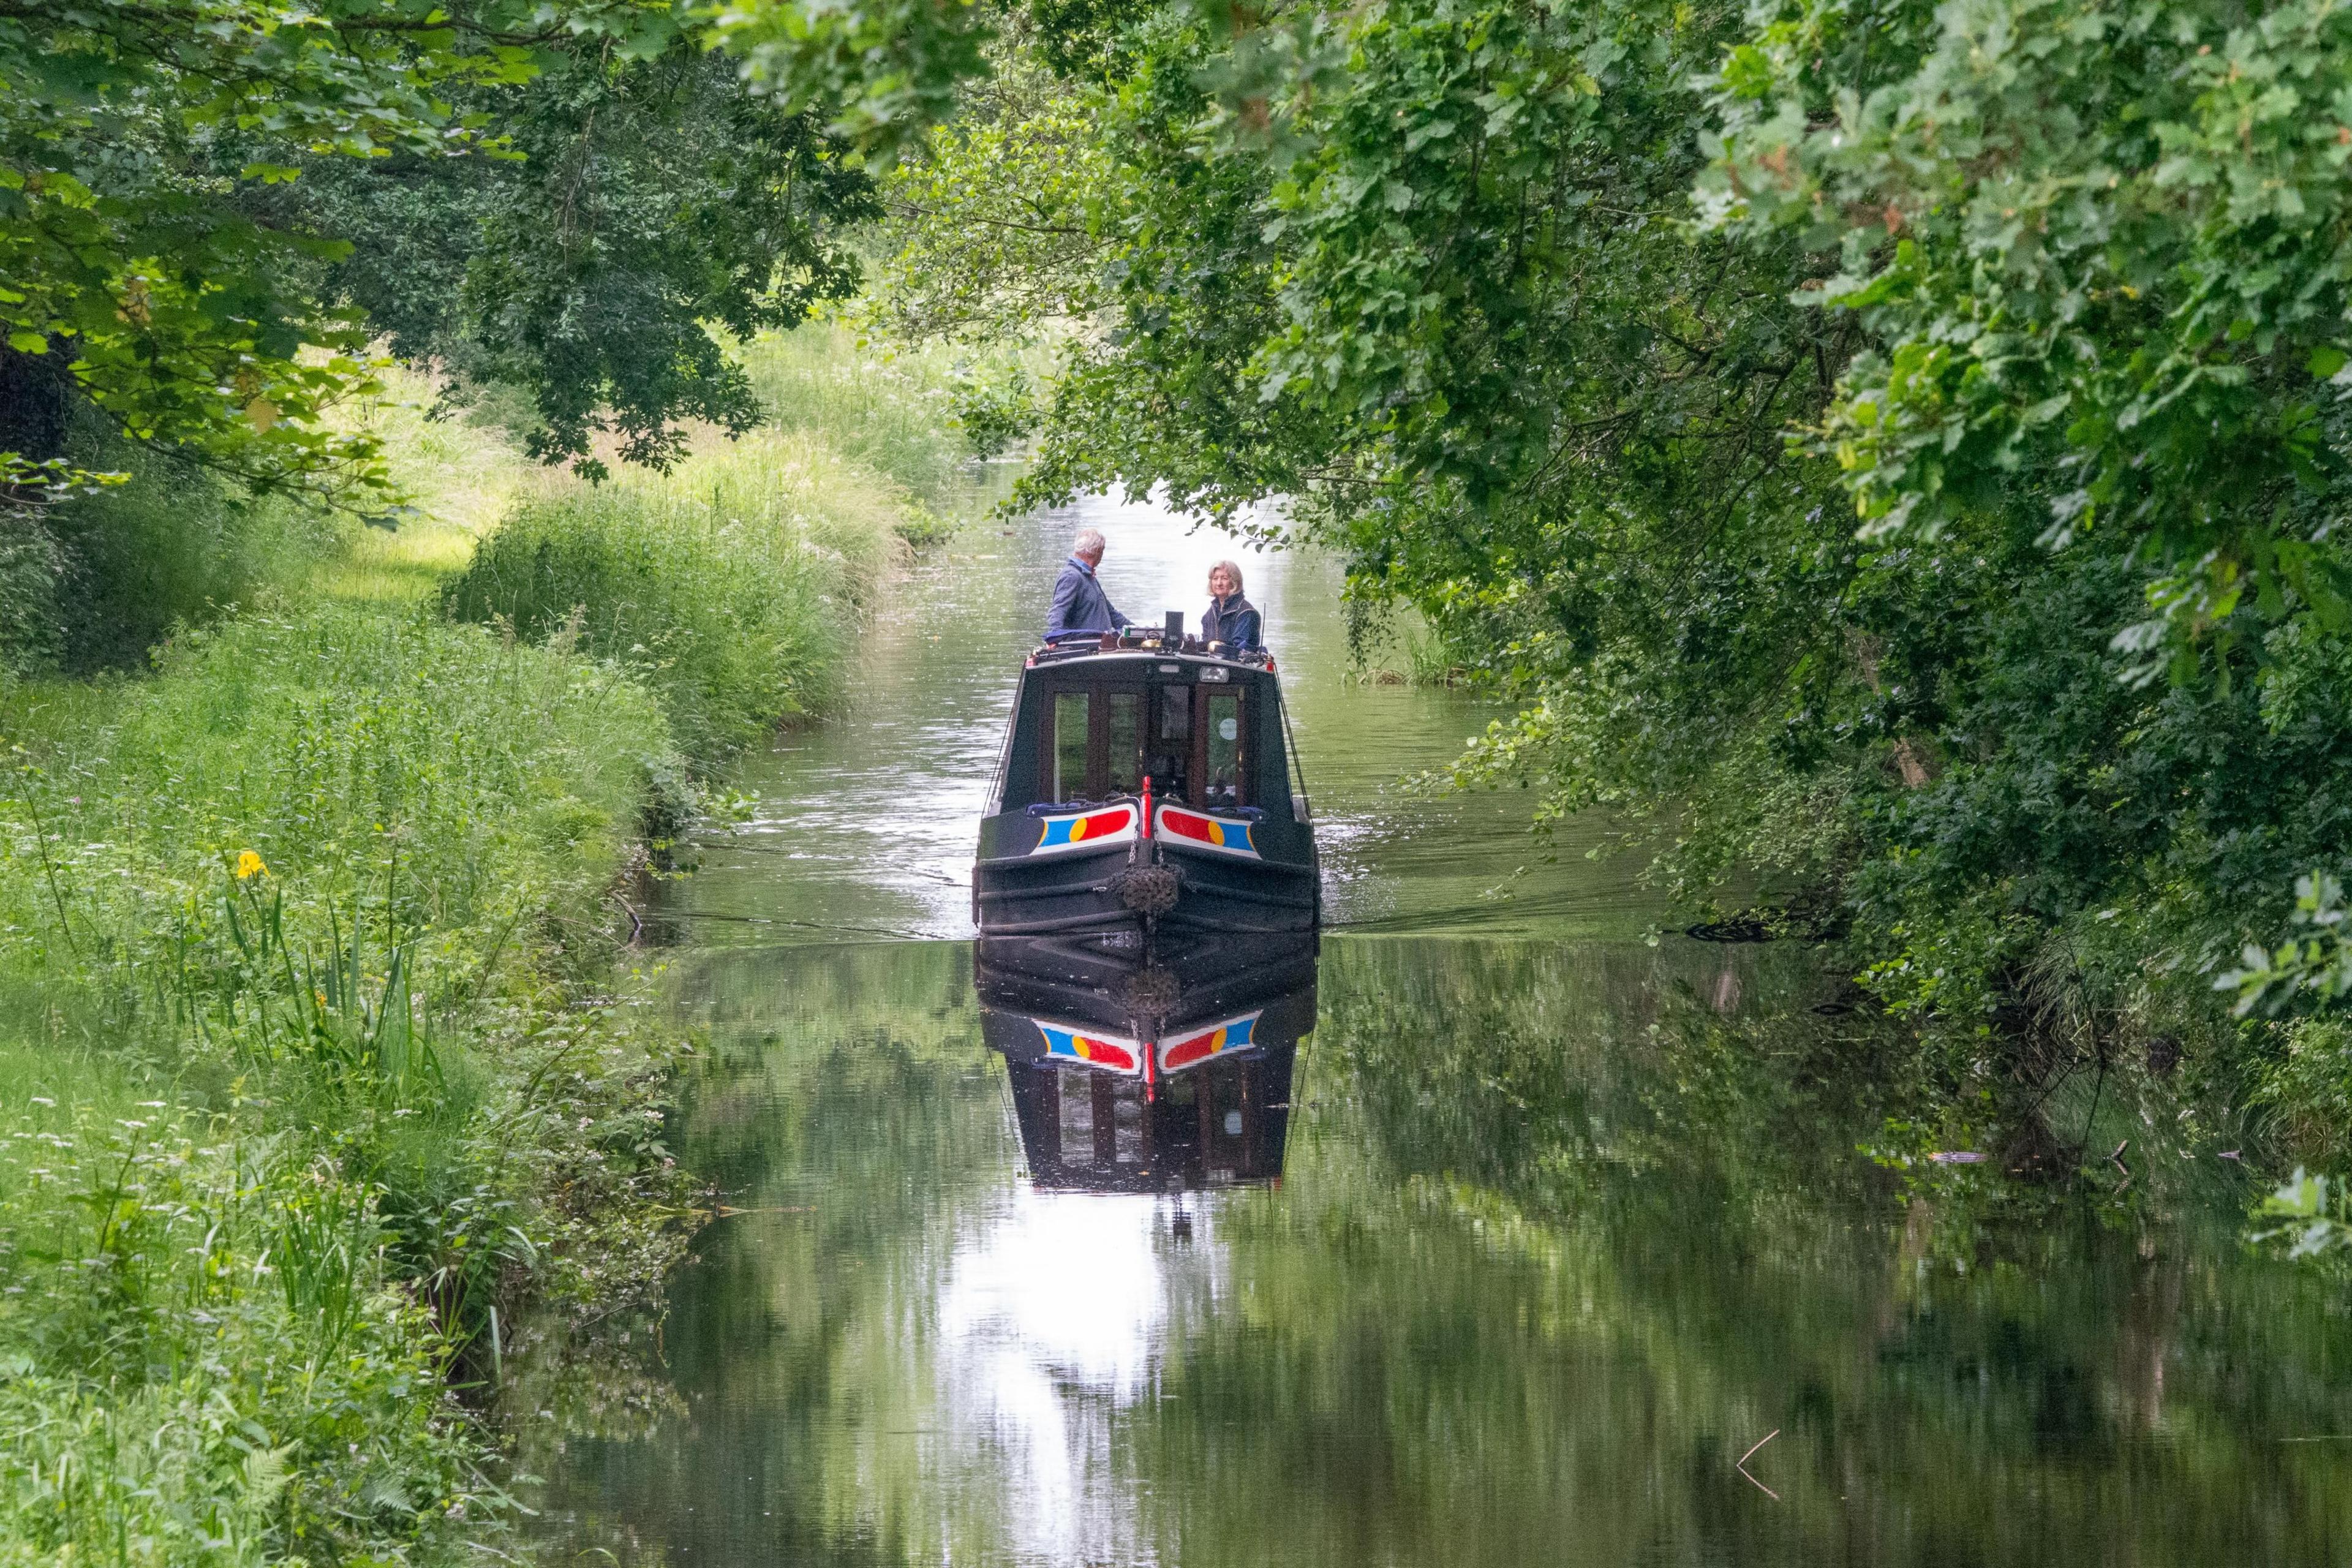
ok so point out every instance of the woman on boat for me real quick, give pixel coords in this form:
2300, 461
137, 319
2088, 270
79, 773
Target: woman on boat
1230, 618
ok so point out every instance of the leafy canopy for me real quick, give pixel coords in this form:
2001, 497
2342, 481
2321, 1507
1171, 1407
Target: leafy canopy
208, 209
2103, 245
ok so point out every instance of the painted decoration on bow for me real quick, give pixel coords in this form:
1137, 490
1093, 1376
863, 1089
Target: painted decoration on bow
1223, 833
1194, 1047
1113, 824
1104, 1051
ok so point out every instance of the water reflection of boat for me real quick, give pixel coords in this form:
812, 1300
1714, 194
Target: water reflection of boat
1152, 1084
1144, 799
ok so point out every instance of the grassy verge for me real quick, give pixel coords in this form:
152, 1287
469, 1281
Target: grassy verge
303, 1072
727, 586
918, 415
319, 1052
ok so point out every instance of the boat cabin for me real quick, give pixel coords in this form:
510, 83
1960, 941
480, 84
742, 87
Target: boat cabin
1093, 723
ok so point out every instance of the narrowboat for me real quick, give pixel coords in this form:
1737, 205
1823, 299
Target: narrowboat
1146, 801
1190, 1091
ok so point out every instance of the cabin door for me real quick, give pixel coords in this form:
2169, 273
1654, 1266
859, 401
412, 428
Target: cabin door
1197, 745
1223, 761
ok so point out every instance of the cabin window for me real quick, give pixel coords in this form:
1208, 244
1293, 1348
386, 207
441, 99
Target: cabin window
1171, 764
1226, 1126
1193, 742
1222, 780
1127, 1138
1123, 755
1175, 716
1070, 744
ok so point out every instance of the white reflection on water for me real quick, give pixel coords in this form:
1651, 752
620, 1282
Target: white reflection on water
1048, 1325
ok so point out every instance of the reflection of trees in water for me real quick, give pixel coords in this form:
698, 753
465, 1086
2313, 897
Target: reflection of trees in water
843, 1103
1559, 1237
1633, 1237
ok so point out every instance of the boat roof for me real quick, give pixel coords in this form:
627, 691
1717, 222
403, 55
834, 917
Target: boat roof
1255, 659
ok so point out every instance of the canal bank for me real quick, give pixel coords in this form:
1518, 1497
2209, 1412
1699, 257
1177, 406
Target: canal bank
1568, 1223
321, 1051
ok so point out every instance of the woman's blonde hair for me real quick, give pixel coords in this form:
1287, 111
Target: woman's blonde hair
1227, 566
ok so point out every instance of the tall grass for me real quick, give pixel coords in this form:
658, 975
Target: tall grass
91, 582
188, 1374
889, 408
458, 479
920, 415
303, 1071
729, 586
1399, 651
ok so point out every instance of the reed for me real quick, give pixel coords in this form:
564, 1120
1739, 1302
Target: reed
729, 587
1412, 655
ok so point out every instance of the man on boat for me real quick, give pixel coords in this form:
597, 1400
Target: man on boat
1081, 608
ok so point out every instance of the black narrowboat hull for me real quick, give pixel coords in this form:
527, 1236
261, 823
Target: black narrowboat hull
1086, 974
1163, 884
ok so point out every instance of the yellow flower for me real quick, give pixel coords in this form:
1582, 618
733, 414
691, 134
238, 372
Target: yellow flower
249, 863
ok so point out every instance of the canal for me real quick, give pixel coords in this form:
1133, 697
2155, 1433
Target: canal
1589, 1245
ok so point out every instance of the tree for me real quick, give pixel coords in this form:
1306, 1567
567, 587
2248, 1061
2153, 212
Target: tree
1828, 424
636, 202
208, 209
2104, 245
179, 314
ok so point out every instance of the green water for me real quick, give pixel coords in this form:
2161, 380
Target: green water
1569, 1223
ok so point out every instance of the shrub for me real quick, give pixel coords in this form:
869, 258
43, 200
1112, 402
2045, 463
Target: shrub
729, 586
2308, 1086
94, 581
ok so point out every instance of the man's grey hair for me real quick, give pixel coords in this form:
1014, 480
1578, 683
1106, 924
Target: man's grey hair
1089, 541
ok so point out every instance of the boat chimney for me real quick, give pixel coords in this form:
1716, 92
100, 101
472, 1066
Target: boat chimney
1176, 629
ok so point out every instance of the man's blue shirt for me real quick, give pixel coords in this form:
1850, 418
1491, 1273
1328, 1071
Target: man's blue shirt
1080, 606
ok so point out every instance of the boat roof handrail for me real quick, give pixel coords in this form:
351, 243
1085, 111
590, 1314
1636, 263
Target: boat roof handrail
1070, 652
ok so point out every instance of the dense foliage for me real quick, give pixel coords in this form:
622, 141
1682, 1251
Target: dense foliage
118, 249
2099, 251
1891, 452
207, 214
